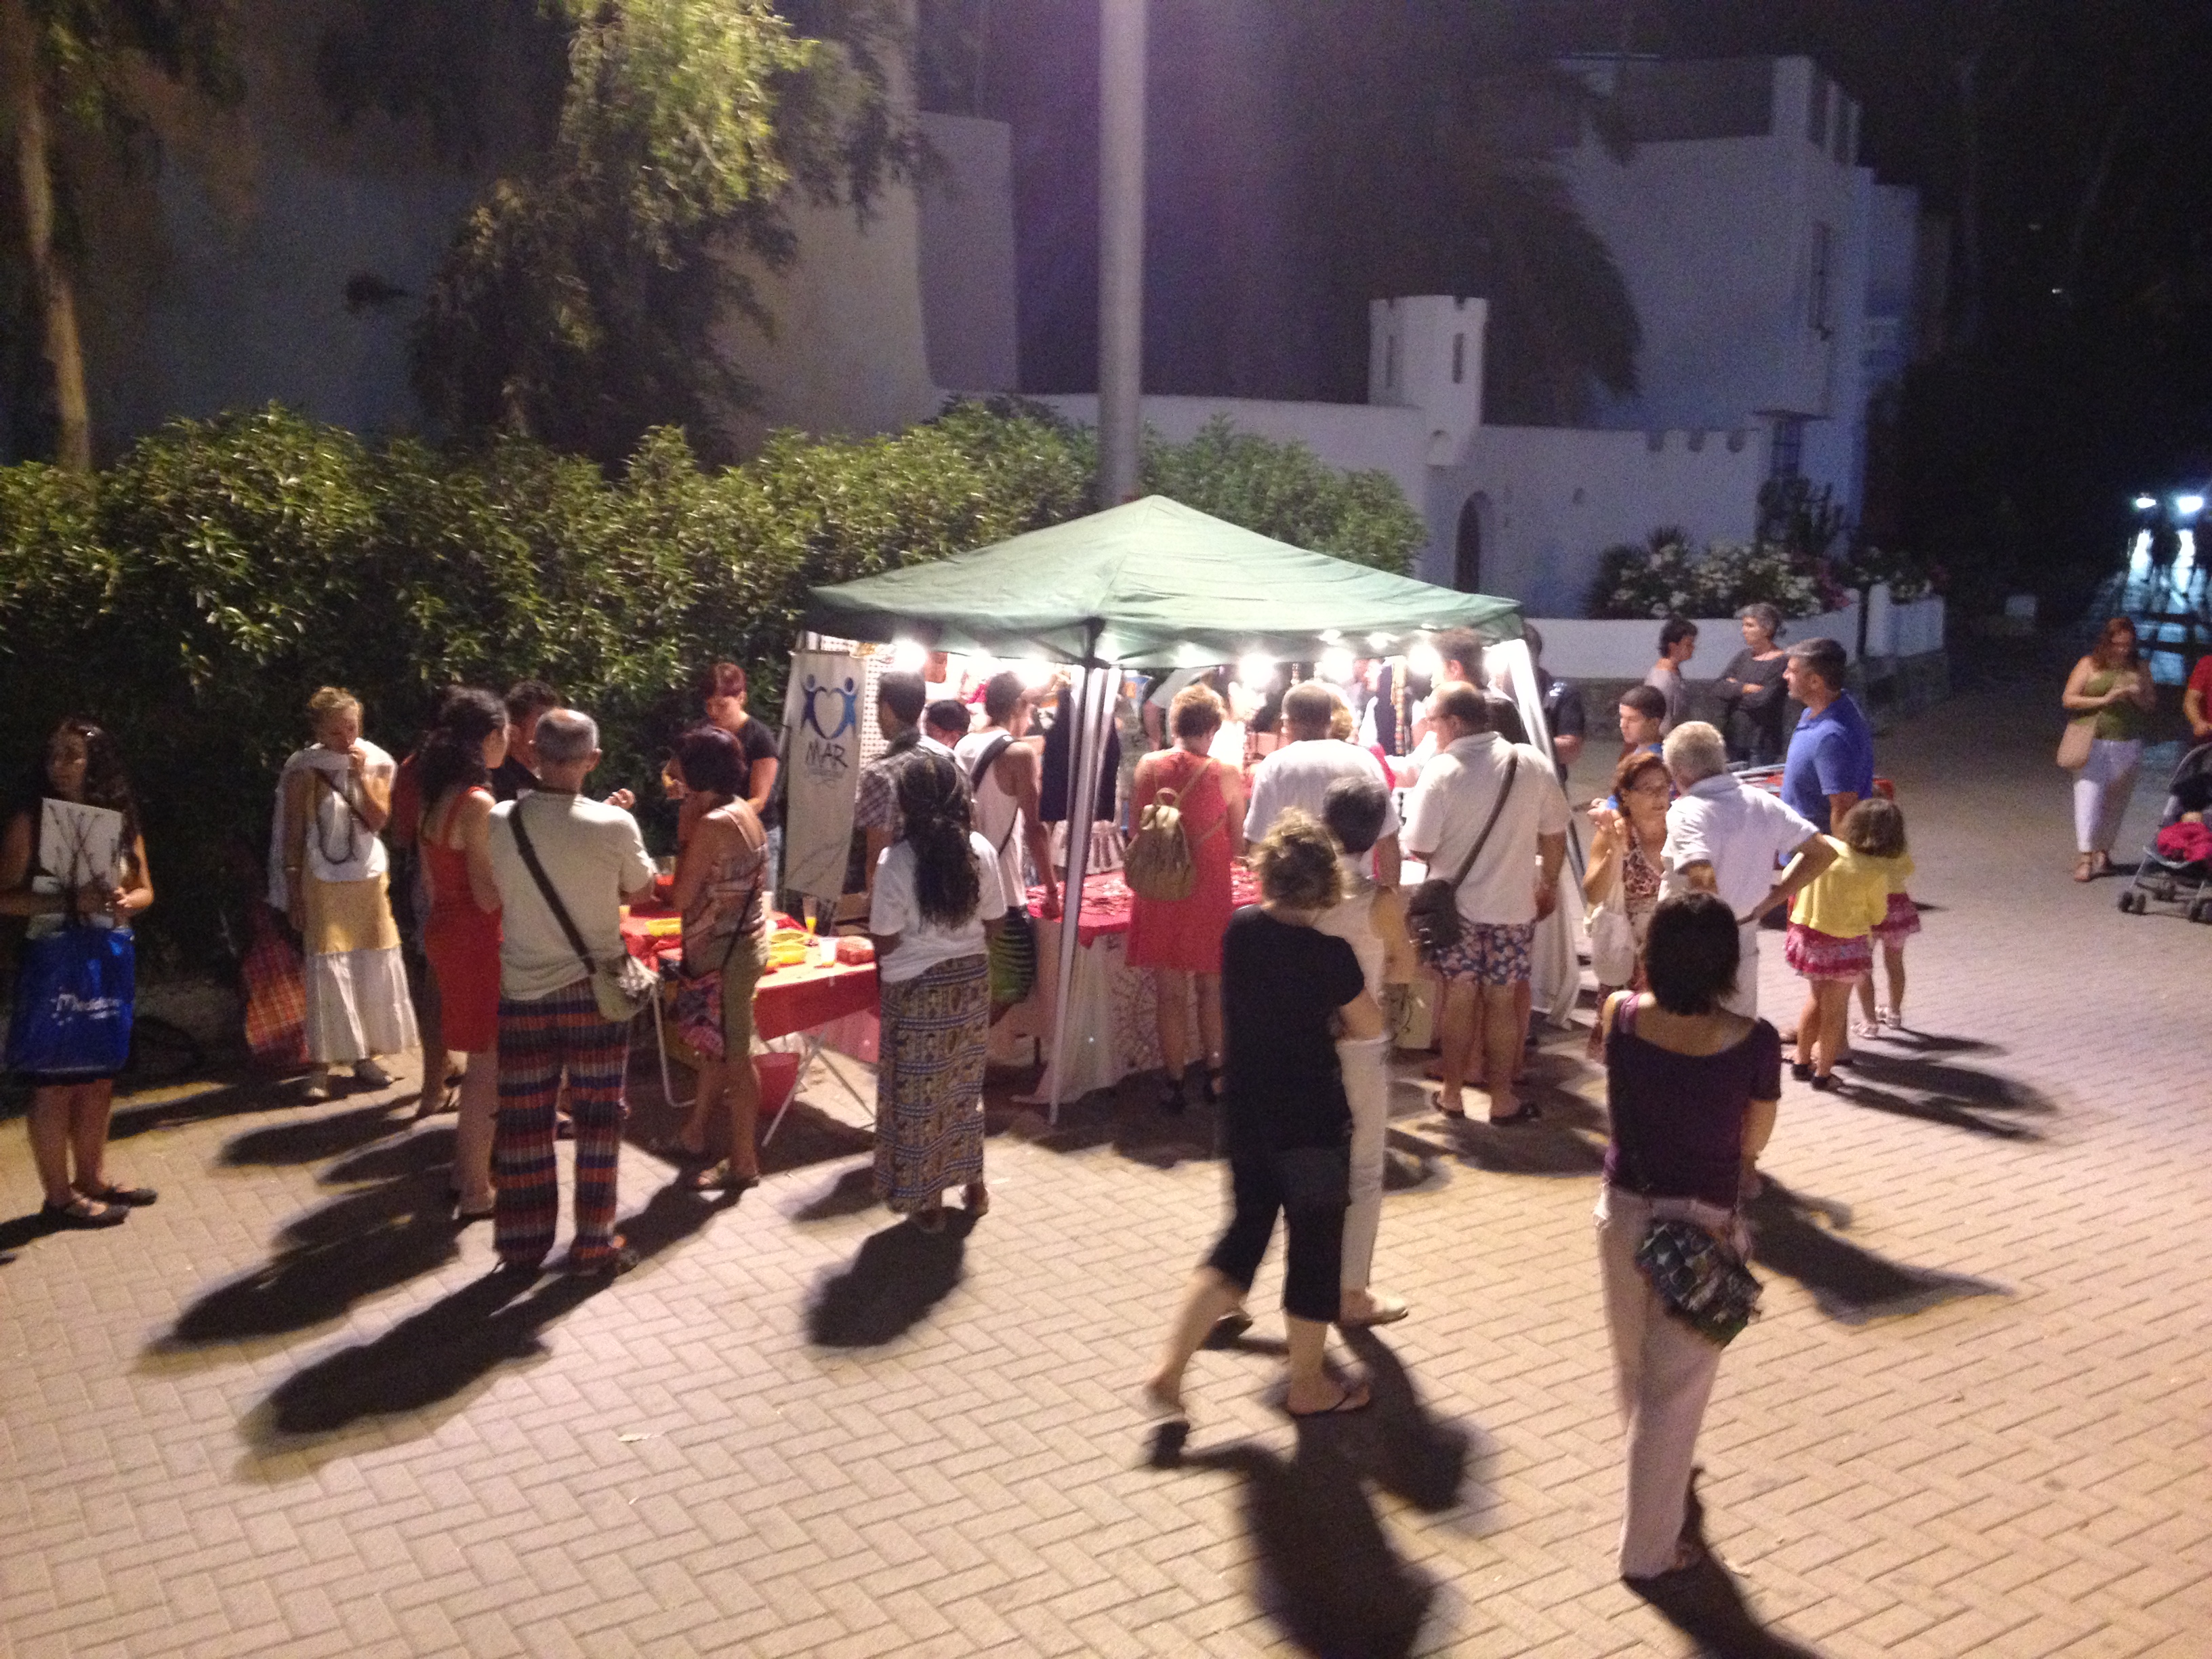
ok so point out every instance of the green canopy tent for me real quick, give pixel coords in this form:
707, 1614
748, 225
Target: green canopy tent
1150, 585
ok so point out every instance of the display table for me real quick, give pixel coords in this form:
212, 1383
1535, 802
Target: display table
829, 1002
1112, 1027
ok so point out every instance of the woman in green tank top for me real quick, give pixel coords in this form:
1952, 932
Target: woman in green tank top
2113, 684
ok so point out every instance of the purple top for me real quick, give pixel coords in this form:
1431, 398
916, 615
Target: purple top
1681, 1116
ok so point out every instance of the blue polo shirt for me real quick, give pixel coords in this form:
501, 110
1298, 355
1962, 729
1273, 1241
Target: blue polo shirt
1830, 753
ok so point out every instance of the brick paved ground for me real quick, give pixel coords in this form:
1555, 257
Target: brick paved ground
286, 1411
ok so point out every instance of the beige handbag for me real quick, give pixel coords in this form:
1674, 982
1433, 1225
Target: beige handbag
2073, 743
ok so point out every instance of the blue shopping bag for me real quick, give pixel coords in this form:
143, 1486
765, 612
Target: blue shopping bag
73, 1001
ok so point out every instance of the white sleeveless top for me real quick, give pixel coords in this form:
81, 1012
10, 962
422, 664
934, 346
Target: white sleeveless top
998, 816
1352, 920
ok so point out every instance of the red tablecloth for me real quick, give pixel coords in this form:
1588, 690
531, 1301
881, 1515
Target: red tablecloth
788, 999
1107, 899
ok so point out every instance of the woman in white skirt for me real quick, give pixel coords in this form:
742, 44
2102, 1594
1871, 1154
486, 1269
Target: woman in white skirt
328, 874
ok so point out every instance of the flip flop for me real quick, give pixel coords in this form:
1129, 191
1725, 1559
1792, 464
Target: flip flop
1227, 1328
719, 1178
136, 1197
69, 1215
1349, 1401
1529, 1113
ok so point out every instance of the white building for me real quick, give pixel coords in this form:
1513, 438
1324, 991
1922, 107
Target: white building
1773, 279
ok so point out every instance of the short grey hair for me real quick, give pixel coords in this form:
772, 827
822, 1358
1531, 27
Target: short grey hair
566, 736
1769, 617
1693, 751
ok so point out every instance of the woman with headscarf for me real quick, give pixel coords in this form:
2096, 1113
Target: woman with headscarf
69, 1109
937, 897
329, 873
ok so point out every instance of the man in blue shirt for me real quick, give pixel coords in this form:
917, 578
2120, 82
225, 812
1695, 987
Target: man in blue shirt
1830, 768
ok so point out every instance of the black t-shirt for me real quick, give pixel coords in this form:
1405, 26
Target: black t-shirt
1279, 984
759, 745
511, 779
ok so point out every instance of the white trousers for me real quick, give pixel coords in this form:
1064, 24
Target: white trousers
2101, 792
1366, 1065
1662, 1377
1744, 999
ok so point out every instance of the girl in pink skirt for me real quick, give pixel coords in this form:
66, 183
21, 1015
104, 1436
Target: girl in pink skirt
1899, 923
1832, 923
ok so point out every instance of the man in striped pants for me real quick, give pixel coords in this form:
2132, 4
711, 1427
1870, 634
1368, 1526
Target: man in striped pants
564, 864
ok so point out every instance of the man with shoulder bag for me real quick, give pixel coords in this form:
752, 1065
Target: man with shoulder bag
567, 989
1490, 821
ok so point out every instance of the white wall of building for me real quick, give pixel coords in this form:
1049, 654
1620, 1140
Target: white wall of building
1547, 501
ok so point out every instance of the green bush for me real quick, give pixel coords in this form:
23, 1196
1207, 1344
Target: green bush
192, 597
1668, 575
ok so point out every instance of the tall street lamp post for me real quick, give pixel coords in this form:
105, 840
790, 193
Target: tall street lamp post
1121, 245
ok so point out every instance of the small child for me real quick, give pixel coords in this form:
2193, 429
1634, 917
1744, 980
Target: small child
1832, 923
1900, 924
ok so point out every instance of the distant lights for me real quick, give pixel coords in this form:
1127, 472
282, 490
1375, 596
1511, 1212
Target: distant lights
908, 656
1256, 670
1423, 661
2189, 504
1337, 664
1036, 672
1378, 641
2144, 503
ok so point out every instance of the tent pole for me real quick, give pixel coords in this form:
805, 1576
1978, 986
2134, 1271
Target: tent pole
1094, 706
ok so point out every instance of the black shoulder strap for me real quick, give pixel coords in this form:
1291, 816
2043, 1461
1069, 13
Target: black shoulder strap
988, 758
545, 888
1512, 769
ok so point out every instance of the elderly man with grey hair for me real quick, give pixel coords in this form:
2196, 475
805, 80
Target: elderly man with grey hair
564, 864
1725, 837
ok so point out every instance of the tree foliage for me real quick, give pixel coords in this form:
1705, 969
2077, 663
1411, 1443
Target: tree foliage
192, 596
578, 303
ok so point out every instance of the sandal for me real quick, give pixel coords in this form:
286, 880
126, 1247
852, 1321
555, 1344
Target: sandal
720, 1177
1227, 1328
136, 1197
1450, 1102
617, 1258
83, 1214
932, 1220
1353, 1398
978, 1199
2085, 866
1529, 1112
464, 1217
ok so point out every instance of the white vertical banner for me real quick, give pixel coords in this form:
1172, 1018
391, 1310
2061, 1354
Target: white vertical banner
822, 717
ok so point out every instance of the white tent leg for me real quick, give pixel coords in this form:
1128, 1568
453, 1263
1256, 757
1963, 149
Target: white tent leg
1094, 708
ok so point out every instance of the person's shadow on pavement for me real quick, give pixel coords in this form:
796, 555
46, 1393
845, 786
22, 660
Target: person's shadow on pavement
900, 1274
1326, 1572
1848, 1284
431, 1357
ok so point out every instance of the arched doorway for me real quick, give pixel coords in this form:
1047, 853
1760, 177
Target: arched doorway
1467, 551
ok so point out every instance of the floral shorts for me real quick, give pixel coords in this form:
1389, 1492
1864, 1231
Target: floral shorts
1490, 953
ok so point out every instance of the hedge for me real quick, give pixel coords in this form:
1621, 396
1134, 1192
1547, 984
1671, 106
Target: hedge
192, 596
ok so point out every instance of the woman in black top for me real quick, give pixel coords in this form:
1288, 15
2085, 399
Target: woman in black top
1288, 992
1753, 696
725, 708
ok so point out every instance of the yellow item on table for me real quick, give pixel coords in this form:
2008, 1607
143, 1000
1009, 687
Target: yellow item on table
788, 947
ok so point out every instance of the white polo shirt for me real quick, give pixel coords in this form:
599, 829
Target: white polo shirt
1745, 834
1299, 774
1452, 805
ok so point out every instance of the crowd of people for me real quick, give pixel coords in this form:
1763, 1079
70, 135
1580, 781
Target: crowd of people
468, 900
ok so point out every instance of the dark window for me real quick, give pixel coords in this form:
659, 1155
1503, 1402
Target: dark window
1820, 279
1466, 550
1788, 459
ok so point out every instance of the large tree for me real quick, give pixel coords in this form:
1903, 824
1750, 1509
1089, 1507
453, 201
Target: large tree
579, 301
66, 69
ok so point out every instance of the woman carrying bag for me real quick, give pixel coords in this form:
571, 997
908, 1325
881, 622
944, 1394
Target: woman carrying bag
1621, 882
70, 1033
2109, 697
1691, 1091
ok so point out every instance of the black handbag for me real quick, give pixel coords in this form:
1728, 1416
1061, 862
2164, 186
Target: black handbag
1432, 915
1697, 1276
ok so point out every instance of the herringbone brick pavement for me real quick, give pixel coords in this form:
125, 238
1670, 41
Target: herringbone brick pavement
285, 1410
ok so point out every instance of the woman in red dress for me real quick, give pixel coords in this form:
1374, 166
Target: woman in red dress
1179, 940
460, 936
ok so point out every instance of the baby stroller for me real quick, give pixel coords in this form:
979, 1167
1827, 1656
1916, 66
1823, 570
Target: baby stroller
2185, 882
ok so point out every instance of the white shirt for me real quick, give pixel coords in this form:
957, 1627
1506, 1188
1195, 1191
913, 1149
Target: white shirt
1745, 834
894, 907
1452, 805
593, 854
1299, 774
340, 847
1352, 920
997, 814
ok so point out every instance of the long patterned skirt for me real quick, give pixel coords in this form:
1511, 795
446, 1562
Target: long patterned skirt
929, 1084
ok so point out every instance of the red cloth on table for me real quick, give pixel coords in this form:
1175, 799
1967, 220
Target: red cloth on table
786, 999
1107, 903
